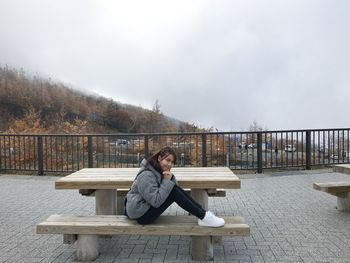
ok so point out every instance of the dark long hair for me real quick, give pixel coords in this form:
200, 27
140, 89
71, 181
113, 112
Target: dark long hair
162, 153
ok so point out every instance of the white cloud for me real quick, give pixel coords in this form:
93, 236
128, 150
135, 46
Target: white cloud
222, 63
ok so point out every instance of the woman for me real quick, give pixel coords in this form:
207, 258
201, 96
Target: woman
155, 189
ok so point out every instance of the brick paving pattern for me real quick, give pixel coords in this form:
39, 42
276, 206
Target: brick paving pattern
290, 222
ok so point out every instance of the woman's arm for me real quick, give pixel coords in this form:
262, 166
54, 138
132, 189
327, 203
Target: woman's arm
169, 176
154, 194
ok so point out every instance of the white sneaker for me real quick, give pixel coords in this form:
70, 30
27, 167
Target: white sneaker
211, 220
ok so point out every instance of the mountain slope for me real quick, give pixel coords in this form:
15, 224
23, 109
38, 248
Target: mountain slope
31, 104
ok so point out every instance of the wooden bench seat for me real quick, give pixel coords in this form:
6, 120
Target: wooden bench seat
123, 192
340, 190
88, 227
342, 168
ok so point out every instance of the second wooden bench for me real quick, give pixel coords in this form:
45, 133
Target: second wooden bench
87, 229
340, 190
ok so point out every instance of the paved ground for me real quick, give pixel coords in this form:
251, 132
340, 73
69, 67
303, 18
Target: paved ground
290, 222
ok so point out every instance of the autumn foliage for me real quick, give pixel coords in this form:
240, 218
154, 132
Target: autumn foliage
31, 104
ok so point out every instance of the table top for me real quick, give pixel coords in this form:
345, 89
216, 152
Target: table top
114, 178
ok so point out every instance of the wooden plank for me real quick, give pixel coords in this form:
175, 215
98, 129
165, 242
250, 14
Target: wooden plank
329, 186
179, 177
120, 183
115, 225
123, 192
216, 192
113, 178
175, 170
342, 168
133, 171
334, 188
121, 171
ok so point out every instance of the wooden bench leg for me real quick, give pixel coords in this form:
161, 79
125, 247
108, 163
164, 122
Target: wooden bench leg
105, 202
199, 196
87, 249
202, 247
343, 203
120, 197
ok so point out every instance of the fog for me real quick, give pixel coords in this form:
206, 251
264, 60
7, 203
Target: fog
220, 64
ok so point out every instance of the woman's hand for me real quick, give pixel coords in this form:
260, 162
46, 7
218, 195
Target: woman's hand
167, 175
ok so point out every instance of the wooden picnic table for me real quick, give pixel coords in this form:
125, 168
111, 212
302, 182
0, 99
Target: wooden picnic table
106, 181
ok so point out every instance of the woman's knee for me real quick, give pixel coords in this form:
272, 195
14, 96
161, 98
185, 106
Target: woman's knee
177, 190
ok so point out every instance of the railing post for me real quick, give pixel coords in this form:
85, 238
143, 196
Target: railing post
259, 153
146, 150
308, 150
90, 159
204, 150
0, 153
40, 154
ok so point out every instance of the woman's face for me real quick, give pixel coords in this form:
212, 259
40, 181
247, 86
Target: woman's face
166, 163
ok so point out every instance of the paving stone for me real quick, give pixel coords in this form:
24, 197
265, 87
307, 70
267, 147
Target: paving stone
290, 222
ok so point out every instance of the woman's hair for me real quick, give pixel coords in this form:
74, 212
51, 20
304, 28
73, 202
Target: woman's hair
162, 153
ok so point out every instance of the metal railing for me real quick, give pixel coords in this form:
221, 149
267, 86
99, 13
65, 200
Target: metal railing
236, 150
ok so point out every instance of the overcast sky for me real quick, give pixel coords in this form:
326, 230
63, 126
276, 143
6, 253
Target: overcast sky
284, 64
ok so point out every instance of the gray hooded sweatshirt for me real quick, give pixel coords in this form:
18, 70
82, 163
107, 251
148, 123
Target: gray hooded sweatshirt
148, 189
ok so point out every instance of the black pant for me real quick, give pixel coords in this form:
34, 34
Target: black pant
179, 196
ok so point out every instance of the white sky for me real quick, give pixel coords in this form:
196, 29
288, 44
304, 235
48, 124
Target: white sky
284, 64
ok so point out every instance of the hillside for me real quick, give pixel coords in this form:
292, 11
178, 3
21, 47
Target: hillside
31, 104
